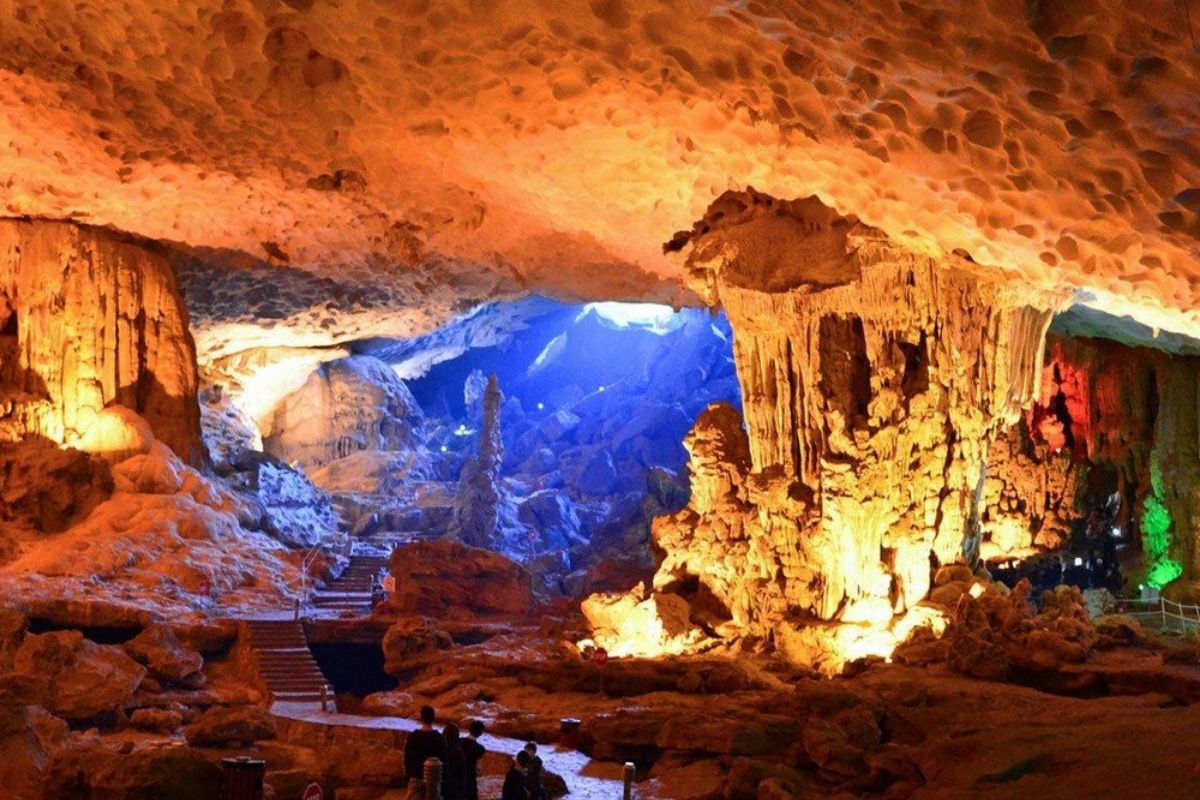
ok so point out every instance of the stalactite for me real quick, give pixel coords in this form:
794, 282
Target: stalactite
98, 319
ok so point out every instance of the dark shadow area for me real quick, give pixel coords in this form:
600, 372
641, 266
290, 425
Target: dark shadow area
353, 668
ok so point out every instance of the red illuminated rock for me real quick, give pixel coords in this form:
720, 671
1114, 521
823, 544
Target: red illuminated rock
449, 579
76, 678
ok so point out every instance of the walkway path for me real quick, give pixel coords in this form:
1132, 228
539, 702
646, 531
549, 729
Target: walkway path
586, 779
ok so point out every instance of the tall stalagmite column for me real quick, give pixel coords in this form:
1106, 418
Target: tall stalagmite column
89, 318
873, 379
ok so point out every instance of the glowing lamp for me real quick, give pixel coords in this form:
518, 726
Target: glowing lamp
444, 448
1078, 561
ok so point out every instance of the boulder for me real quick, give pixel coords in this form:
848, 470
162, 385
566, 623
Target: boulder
952, 573
643, 624
45, 488
699, 780
226, 726
294, 510
413, 642
350, 404
552, 515
390, 704
13, 625
28, 735
947, 594
160, 651
447, 578
599, 475
117, 433
149, 773
76, 678
158, 720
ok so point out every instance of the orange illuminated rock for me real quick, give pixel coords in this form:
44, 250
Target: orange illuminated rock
98, 320
562, 142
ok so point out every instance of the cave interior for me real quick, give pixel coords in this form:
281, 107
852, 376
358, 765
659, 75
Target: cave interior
737, 401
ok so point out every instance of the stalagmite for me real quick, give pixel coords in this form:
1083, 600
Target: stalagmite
89, 318
477, 506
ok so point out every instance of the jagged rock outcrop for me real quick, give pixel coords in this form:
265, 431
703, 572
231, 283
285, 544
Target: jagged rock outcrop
89, 318
1111, 420
447, 579
294, 510
874, 378
44, 487
74, 677
346, 405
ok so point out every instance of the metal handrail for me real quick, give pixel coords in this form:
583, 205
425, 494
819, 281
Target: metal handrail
1179, 612
310, 557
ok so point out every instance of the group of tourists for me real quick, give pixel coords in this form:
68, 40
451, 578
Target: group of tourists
460, 757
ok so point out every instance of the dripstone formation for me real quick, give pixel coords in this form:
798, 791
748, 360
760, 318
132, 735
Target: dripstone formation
874, 379
89, 318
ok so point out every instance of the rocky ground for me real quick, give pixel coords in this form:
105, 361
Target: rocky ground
1016, 699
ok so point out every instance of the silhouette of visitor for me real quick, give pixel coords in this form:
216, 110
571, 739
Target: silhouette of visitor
454, 777
473, 753
423, 743
533, 776
514, 781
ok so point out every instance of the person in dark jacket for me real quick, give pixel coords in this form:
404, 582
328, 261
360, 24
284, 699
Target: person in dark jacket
514, 781
473, 753
423, 743
533, 774
454, 779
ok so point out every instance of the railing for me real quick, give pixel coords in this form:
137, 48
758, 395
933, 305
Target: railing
309, 559
1187, 617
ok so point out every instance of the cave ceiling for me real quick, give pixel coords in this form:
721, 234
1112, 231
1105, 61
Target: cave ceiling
362, 158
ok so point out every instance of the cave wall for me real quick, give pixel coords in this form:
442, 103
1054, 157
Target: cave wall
874, 379
1090, 432
89, 318
1110, 418
344, 406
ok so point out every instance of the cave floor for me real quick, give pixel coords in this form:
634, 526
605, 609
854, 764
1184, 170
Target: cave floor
586, 779
1122, 725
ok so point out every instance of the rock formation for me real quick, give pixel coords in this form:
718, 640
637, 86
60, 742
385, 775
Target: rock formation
89, 318
351, 404
480, 499
447, 579
874, 379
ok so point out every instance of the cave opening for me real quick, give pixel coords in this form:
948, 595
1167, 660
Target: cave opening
353, 668
550, 432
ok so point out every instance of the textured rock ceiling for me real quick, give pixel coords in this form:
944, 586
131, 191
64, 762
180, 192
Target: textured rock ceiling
559, 144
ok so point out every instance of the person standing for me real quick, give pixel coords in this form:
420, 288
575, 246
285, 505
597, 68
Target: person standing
473, 753
422, 744
533, 774
454, 778
514, 781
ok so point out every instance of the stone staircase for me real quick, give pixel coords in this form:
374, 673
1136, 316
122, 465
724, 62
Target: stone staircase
285, 663
351, 591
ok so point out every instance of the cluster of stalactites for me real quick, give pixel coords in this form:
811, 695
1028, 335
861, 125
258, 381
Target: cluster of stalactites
89, 319
873, 378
